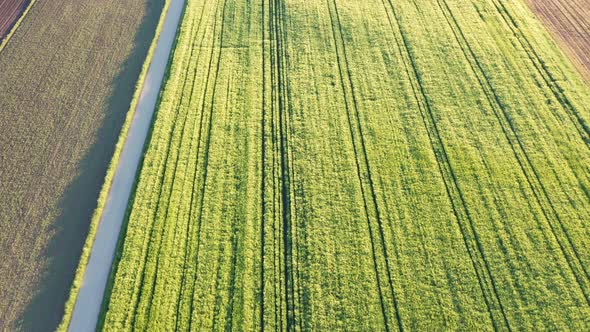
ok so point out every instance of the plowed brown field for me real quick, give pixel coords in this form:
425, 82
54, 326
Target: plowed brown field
10, 10
569, 21
67, 78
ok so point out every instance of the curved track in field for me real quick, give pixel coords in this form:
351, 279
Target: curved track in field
89, 300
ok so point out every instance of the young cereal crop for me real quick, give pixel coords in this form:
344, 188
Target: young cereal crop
361, 165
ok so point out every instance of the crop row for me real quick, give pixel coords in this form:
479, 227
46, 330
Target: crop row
568, 21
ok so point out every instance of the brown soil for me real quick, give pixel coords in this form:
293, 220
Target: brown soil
10, 11
66, 81
569, 21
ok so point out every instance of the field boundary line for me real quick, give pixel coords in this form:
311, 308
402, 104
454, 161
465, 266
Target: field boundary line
148, 235
16, 25
109, 178
105, 191
577, 23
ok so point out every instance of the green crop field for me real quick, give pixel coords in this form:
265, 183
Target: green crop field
361, 165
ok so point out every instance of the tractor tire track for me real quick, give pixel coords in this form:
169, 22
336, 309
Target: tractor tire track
352, 107
161, 185
289, 132
235, 244
281, 181
277, 289
155, 194
208, 140
520, 153
189, 233
284, 112
185, 131
549, 80
480, 264
263, 171
197, 168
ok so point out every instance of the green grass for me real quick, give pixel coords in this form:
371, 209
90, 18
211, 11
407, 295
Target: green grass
361, 165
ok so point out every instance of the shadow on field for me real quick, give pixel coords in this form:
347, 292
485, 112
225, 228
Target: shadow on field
44, 312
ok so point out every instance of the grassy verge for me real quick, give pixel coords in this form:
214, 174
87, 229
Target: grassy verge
79, 276
16, 24
121, 239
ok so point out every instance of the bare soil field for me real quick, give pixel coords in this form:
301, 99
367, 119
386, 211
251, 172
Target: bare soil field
67, 78
10, 11
569, 21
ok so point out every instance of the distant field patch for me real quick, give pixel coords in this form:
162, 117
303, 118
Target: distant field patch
67, 78
10, 11
568, 20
